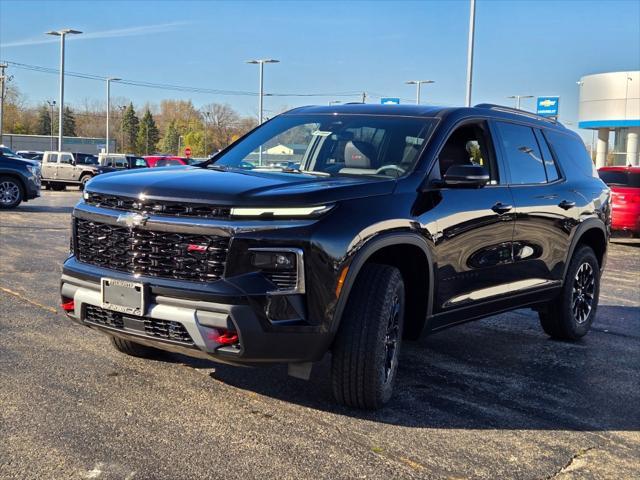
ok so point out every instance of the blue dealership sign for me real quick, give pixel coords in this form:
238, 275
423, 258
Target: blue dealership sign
548, 106
390, 101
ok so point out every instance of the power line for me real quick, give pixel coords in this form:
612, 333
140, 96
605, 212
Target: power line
178, 88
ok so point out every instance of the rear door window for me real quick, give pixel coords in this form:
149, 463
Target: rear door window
66, 158
52, 158
550, 166
522, 154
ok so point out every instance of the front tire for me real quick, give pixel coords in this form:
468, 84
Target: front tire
570, 315
134, 349
11, 193
367, 346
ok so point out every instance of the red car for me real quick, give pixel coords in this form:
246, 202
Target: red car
625, 197
165, 161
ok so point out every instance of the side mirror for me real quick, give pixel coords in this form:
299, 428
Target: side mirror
472, 176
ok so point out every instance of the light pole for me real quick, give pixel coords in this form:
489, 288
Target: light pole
261, 63
2, 82
518, 98
207, 118
62, 34
417, 83
52, 105
472, 27
109, 80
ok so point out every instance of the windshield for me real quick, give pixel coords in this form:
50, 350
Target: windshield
332, 145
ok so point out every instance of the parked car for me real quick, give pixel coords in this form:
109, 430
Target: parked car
19, 179
60, 169
121, 161
401, 219
625, 198
30, 155
165, 161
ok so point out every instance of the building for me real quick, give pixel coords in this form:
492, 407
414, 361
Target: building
41, 143
288, 149
610, 102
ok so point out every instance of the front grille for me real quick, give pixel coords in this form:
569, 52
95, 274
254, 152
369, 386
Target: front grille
151, 327
156, 207
151, 253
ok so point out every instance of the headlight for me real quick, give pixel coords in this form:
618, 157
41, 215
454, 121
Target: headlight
34, 170
85, 195
280, 212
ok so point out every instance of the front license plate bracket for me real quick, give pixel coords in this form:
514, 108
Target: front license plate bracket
123, 296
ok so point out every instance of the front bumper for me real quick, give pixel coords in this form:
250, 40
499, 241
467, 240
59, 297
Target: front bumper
201, 314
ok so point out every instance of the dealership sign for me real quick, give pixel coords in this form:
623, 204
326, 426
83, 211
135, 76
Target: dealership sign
548, 106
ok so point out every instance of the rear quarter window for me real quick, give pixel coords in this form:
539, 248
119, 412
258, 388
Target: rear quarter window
570, 152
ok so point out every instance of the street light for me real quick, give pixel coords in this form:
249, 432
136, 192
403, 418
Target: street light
52, 105
417, 83
62, 34
109, 80
518, 98
261, 62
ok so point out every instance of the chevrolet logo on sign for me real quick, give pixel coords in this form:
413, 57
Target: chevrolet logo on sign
548, 106
547, 103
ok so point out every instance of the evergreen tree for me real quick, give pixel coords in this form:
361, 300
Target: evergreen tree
171, 139
43, 125
148, 134
130, 124
68, 123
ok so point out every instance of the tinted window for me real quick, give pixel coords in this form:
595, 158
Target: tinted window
613, 177
570, 152
549, 164
522, 154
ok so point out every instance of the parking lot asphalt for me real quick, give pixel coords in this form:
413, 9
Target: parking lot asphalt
490, 399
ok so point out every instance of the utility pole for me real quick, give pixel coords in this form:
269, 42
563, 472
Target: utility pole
472, 26
364, 97
2, 82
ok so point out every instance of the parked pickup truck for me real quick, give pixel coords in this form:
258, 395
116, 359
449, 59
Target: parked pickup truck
121, 161
60, 169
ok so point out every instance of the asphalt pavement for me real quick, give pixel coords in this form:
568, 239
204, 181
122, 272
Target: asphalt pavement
490, 399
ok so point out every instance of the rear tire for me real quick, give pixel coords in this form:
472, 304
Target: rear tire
58, 187
570, 315
367, 345
11, 193
135, 349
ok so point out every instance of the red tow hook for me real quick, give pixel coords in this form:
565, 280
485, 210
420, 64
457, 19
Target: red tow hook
224, 337
68, 306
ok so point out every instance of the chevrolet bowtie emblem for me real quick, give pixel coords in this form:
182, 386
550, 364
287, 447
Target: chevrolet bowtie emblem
131, 220
547, 103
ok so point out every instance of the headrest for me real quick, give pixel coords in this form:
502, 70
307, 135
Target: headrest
358, 154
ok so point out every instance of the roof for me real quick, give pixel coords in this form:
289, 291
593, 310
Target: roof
426, 111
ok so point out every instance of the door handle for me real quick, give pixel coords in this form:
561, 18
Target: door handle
501, 208
566, 204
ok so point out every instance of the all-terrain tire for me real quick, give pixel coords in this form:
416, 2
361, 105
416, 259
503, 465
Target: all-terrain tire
569, 316
367, 346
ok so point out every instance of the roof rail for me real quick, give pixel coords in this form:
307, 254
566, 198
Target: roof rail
502, 108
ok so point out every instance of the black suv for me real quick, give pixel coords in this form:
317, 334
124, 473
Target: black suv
399, 220
19, 179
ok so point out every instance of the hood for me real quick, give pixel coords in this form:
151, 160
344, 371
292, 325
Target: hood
238, 188
17, 160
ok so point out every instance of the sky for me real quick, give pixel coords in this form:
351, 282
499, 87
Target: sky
333, 48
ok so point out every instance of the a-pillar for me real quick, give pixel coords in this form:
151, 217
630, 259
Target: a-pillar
602, 147
632, 146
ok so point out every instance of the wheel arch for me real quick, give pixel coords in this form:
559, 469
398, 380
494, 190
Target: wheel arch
594, 234
16, 177
410, 253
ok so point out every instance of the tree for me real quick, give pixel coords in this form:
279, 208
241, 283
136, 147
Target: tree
130, 124
68, 123
148, 134
43, 125
171, 139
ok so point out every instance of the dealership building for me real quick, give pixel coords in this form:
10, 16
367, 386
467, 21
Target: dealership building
610, 103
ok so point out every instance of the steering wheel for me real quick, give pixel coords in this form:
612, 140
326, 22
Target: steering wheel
393, 167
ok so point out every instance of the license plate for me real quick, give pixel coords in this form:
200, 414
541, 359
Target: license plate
123, 296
